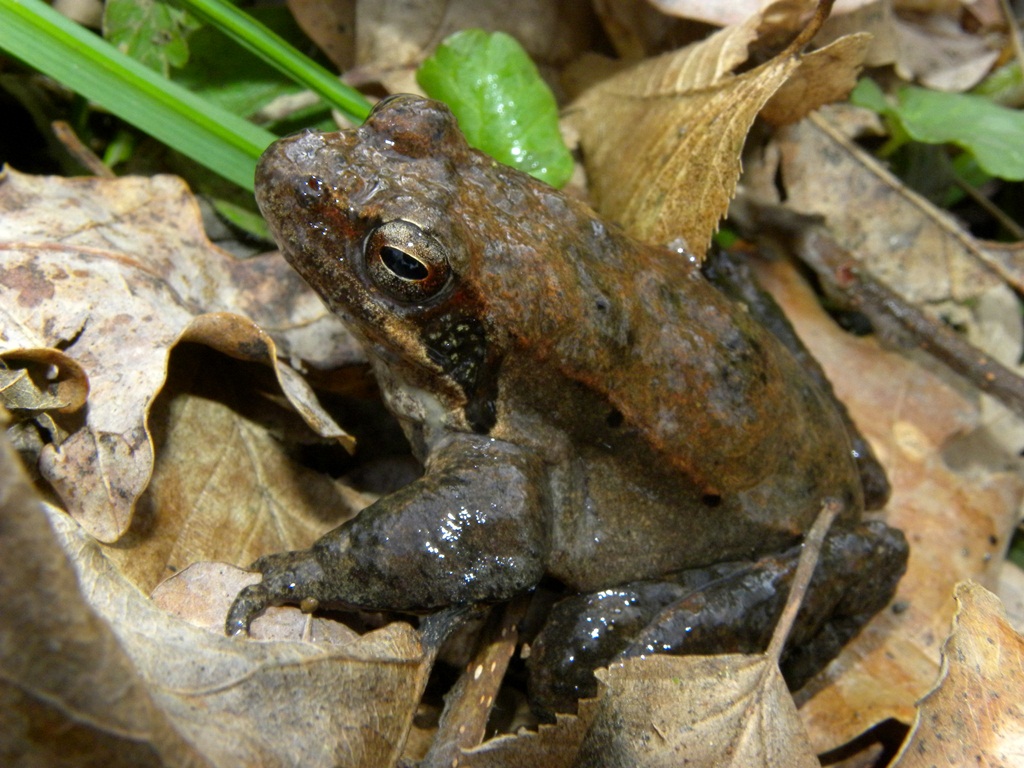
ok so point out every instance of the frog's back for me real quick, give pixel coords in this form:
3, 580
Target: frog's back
695, 434
640, 325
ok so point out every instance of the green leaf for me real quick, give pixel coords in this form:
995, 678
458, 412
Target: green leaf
503, 106
869, 95
993, 134
242, 82
151, 32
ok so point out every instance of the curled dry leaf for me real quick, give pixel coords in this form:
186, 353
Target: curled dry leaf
226, 482
975, 714
912, 418
662, 140
114, 273
43, 380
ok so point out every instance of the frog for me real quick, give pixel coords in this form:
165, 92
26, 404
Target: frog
590, 411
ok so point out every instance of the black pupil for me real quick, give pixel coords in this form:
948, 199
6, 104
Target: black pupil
402, 264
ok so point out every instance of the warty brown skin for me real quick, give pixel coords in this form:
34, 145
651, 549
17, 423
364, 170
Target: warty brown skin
587, 407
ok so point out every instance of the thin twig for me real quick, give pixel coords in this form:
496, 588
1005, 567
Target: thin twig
843, 279
1011, 23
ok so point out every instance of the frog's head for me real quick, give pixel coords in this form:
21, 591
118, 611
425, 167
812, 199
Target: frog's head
375, 220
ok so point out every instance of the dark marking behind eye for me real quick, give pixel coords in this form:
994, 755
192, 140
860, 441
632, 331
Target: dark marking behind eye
614, 418
458, 344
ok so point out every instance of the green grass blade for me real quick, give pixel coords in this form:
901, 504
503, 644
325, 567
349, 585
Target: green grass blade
254, 36
225, 143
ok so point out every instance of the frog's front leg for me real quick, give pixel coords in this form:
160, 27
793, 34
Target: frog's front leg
474, 528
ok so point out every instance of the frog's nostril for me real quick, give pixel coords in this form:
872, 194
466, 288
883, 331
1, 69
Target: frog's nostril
309, 191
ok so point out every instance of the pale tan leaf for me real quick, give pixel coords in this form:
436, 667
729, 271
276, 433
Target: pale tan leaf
662, 140
113, 272
1011, 592
697, 710
975, 713
551, 746
912, 417
735, 11
906, 242
940, 54
662, 158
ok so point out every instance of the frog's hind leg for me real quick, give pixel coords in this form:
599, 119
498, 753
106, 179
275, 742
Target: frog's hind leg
729, 608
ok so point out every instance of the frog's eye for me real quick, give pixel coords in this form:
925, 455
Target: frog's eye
405, 262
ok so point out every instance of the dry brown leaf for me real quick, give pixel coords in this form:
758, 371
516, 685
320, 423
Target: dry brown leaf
975, 714
551, 746
904, 241
911, 416
825, 75
937, 52
394, 36
114, 272
339, 700
662, 140
331, 26
677, 181
69, 693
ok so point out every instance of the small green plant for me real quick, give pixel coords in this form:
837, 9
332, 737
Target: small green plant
992, 134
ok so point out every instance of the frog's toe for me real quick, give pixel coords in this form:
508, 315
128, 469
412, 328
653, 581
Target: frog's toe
288, 577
